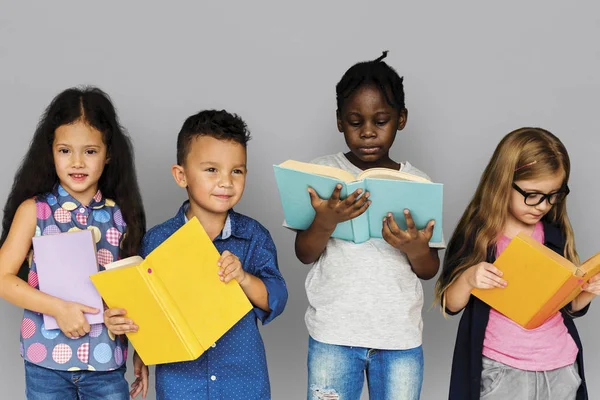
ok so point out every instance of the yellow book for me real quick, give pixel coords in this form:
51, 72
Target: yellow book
175, 296
539, 281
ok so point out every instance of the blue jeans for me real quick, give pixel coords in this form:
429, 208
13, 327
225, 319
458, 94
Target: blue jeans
49, 384
338, 372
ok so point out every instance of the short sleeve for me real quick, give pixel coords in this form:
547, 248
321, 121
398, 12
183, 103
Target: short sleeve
262, 263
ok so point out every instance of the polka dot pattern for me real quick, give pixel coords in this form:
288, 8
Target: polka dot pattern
51, 230
32, 279
50, 334
27, 328
96, 330
62, 353
101, 216
37, 353
59, 212
118, 216
212, 372
62, 215
103, 353
43, 211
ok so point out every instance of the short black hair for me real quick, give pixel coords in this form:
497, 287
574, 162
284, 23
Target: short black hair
376, 73
221, 125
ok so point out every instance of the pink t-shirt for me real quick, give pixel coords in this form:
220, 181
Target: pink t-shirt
544, 348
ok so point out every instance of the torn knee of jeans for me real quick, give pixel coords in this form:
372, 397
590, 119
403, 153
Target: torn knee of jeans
324, 394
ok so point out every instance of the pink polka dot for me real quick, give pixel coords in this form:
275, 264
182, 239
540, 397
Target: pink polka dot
125, 352
33, 279
62, 353
113, 236
43, 210
83, 353
62, 215
104, 257
27, 328
81, 218
37, 353
96, 330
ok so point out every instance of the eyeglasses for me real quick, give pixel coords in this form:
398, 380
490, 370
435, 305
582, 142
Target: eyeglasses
535, 198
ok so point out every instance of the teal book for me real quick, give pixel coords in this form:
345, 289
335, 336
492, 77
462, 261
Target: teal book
390, 191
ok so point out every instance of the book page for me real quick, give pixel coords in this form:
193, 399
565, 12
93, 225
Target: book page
323, 170
591, 266
126, 262
386, 173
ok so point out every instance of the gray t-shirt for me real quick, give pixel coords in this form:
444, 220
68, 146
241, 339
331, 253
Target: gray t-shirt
364, 295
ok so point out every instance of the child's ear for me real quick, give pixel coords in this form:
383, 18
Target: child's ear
338, 117
179, 175
402, 118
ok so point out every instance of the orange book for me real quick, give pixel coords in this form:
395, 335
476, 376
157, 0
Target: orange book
539, 281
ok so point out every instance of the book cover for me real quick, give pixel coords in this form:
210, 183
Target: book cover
390, 191
175, 296
539, 281
64, 264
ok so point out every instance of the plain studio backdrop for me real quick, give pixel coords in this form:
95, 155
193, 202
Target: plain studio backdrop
473, 72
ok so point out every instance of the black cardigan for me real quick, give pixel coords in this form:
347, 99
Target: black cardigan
465, 379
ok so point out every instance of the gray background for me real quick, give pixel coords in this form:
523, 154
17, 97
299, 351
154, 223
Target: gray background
473, 72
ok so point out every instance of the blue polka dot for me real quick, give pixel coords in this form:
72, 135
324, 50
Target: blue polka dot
102, 353
51, 199
62, 192
50, 334
101, 216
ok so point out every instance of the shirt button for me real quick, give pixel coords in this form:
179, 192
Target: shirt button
81, 210
213, 345
213, 378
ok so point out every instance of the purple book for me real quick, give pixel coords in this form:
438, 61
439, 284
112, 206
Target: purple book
64, 264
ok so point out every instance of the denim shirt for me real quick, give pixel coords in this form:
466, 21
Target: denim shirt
99, 350
235, 367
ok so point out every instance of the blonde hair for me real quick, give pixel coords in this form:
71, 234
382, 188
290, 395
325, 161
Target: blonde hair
524, 154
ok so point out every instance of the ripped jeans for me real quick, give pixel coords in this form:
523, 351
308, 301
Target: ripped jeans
338, 372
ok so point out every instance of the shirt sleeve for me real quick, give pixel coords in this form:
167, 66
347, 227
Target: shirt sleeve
262, 263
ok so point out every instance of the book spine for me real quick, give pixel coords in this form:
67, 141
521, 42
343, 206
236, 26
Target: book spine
563, 295
170, 309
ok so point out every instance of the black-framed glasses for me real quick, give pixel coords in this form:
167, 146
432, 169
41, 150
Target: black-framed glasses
535, 198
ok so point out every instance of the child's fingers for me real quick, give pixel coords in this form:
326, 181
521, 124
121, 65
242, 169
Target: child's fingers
335, 196
315, 200
394, 228
223, 257
411, 228
492, 268
495, 280
428, 231
355, 213
350, 200
113, 312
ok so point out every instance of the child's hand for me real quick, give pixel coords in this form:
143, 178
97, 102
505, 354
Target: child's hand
593, 285
411, 241
484, 276
71, 321
333, 211
140, 371
117, 323
231, 268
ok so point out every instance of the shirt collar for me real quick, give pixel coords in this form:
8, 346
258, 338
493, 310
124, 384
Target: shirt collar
70, 203
233, 224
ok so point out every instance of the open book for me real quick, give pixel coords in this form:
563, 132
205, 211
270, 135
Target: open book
64, 263
390, 191
539, 281
175, 296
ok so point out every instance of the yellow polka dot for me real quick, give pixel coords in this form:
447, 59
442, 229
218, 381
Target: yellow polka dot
111, 335
90, 368
74, 229
109, 202
74, 369
96, 232
69, 206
